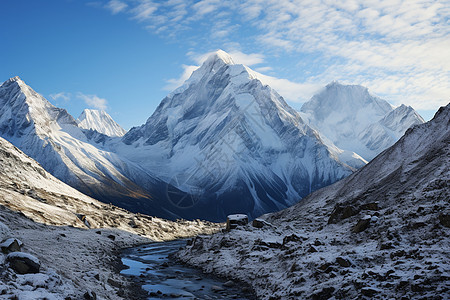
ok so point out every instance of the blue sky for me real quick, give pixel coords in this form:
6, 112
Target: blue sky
126, 55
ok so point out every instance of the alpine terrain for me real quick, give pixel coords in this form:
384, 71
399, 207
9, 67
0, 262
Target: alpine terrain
57, 243
381, 233
100, 121
354, 120
232, 144
222, 143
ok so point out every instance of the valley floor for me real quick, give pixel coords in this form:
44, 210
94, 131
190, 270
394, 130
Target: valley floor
73, 261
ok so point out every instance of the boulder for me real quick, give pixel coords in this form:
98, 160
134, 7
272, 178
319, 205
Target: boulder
342, 212
23, 263
258, 223
343, 262
362, 224
11, 245
233, 221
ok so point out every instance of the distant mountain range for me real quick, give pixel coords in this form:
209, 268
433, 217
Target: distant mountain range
221, 143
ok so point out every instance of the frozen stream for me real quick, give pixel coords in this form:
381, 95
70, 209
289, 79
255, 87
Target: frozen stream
164, 278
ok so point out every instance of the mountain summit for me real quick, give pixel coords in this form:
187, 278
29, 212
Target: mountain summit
232, 143
101, 122
354, 120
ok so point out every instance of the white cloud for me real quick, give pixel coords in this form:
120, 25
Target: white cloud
93, 101
176, 82
397, 48
116, 6
62, 95
144, 10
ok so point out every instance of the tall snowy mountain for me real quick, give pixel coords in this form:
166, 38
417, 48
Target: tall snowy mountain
355, 121
380, 233
101, 122
52, 137
232, 143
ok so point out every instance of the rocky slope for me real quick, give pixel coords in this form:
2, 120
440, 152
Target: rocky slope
75, 237
352, 119
232, 143
101, 122
381, 233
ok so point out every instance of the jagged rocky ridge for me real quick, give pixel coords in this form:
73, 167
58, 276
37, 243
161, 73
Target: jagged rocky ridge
75, 238
349, 117
381, 233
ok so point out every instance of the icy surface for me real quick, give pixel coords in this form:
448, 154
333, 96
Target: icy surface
381, 233
101, 122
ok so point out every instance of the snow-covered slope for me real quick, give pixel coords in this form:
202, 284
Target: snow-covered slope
76, 156
101, 122
74, 236
381, 233
232, 143
355, 121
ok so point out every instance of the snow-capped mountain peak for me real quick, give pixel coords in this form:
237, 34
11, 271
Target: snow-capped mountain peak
100, 121
354, 120
232, 141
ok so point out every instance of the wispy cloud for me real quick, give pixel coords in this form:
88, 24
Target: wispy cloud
116, 6
93, 101
399, 49
61, 96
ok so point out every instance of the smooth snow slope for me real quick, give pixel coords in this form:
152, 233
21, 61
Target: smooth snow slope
354, 120
381, 233
232, 143
101, 122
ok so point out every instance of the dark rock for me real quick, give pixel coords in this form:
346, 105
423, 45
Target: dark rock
258, 223
90, 296
23, 263
268, 244
324, 294
112, 237
11, 245
362, 225
97, 276
444, 219
343, 262
318, 243
291, 238
233, 221
369, 292
342, 212
370, 206
312, 249
386, 246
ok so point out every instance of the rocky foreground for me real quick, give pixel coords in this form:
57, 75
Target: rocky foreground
381, 233
57, 243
